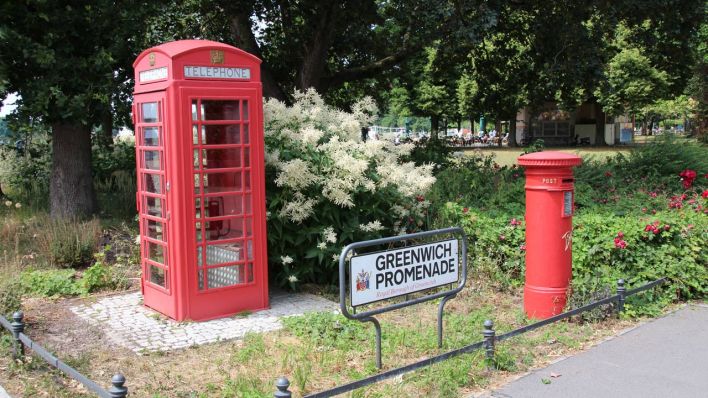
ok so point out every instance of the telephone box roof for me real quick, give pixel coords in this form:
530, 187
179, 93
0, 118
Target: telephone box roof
174, 49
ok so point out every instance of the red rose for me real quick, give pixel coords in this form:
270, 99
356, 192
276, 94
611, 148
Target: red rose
687, 177
705, 194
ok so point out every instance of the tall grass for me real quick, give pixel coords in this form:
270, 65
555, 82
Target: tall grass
116, 195
69, 243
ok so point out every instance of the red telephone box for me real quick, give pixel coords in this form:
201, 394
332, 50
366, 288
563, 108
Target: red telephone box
198, 116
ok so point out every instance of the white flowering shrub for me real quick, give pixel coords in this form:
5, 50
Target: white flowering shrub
326, 188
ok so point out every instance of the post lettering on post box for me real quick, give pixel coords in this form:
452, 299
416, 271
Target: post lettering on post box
392, 273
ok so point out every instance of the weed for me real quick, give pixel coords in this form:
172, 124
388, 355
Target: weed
10, 295
69, 243
302, 371
50, 283
253, 346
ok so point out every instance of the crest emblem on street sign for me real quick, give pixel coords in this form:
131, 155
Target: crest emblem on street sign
362, 281
217, 57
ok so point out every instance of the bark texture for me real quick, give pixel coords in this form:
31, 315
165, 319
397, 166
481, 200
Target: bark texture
512, 132
246, 40
71, 191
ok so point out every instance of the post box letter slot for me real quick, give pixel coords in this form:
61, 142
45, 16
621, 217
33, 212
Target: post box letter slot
567, 203
568, 180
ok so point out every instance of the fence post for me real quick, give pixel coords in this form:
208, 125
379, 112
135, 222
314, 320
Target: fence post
620, 291
489, 337
118, 390
18, 326
282, 385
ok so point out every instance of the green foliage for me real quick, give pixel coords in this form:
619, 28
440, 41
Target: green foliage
50, 283
25, 176
10, 295
69, 243
55, 282
495, 242
433, 151
119, 157
325, 328
630, 196
96, 277
634, 183
631, 83
536, 145
477, 181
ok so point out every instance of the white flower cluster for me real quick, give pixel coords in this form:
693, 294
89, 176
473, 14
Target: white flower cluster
318, 155
329, 235
298, 208
372, 226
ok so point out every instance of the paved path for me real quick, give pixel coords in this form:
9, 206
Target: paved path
667, 357
126, 322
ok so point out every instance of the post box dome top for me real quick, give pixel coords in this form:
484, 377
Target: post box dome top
549, 159
174, 49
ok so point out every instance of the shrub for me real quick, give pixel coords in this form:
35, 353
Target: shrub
119, 157
326, 188
49, 283
637, 181
606, 247
496, 245
69, 243
101, 276
25, 176
477, 181
431, 151
10, 296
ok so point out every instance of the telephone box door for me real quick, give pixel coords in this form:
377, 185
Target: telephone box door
152, 200
227, 272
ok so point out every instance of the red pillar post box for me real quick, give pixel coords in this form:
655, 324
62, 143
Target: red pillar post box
549, 229
198, 118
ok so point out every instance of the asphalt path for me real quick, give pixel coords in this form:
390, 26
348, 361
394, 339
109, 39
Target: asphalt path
667, 357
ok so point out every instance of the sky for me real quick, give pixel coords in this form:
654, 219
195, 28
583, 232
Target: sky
8, 105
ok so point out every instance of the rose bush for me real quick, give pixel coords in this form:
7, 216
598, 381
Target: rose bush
638, 217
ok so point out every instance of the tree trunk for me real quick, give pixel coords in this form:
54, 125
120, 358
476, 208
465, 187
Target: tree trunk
104, 137
71, 191
315, 54
599, 126
512, 132
434, 127
246, 40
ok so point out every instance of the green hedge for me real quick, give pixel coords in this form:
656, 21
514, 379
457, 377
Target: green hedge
676, 250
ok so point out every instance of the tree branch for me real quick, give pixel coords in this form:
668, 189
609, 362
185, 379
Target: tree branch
242, 32
315, 52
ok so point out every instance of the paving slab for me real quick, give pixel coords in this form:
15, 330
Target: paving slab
667, 357
126, 322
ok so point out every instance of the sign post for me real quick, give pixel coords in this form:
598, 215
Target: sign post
399, 272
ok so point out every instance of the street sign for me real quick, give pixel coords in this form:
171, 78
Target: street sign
393, 273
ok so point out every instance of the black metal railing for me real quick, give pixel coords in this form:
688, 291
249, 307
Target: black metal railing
488, 344
21, 340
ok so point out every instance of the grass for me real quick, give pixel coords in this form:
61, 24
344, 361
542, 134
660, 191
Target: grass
322, 350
